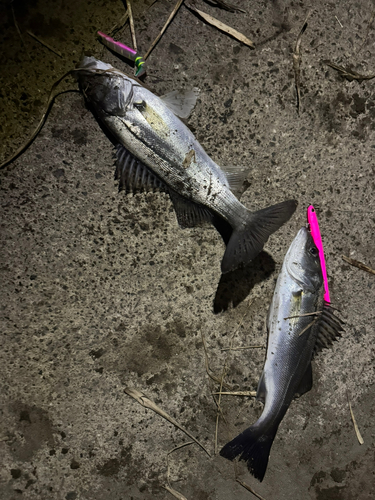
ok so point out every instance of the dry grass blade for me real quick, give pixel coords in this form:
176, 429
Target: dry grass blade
249, 488
45, 44
228, 6
169, 488
359, 437
238, 393
207, 365
243, 348
357, 263
131, 21
147, 403
23, 148
223, 27
175, 493
173, 13
297, 61
118, 26
17, 28
348, 73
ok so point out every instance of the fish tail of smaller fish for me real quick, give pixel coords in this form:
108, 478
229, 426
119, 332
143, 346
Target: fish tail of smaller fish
253, 446
249, 239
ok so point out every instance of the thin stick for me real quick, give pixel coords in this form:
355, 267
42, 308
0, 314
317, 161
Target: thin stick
358, 264
44, 43
337, 19
169, 488
359, 437
17, 28
173, 13
175, 493
120, 24
23, 148
297, 61
241, 348
147, 403
302, 315
307, 327
238, 393
208, 369
248, 488
131, 21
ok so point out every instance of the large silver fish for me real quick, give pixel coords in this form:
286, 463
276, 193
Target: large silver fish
299, 324
156, 150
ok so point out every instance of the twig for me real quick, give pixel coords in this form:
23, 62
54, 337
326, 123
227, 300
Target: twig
337, 19
303, 315
348, 73
147, 403
248, 488
251, 394
120, 24
208, 369
175, 493
169, 488
131, 21
228, 6
17, 28
359, 437
307, 327
44, 43
173, 13
23, 148
241, 348
297, 61
222, 27
358, 264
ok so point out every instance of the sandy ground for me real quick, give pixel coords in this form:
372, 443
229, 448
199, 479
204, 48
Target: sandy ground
102, 291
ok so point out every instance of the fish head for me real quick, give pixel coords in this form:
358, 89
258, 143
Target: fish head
303, 262
106, 88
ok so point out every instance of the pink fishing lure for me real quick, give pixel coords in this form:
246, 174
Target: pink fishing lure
124, 50
315, 233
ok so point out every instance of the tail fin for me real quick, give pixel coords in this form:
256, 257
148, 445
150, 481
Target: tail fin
245, 243
254, 447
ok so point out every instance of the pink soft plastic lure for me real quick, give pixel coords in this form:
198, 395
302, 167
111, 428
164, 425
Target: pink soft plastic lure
124, 50
315, 233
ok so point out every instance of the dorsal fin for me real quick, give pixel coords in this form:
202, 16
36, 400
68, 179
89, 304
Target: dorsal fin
133, 175
181, 102
330, 328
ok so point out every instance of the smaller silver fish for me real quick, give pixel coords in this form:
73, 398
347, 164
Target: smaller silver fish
299, 324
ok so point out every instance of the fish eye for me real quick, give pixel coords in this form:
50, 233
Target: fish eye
314, 251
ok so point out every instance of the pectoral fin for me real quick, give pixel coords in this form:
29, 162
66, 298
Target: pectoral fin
181, 103
133, 175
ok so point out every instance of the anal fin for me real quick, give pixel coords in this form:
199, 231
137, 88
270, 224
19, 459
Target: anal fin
306, 382
188, 213
133, 175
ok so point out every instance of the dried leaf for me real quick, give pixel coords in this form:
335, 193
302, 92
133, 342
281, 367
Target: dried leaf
147, 403
358, 264
223, 27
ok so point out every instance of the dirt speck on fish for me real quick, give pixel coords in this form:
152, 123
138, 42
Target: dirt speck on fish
299, 324
157, 151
